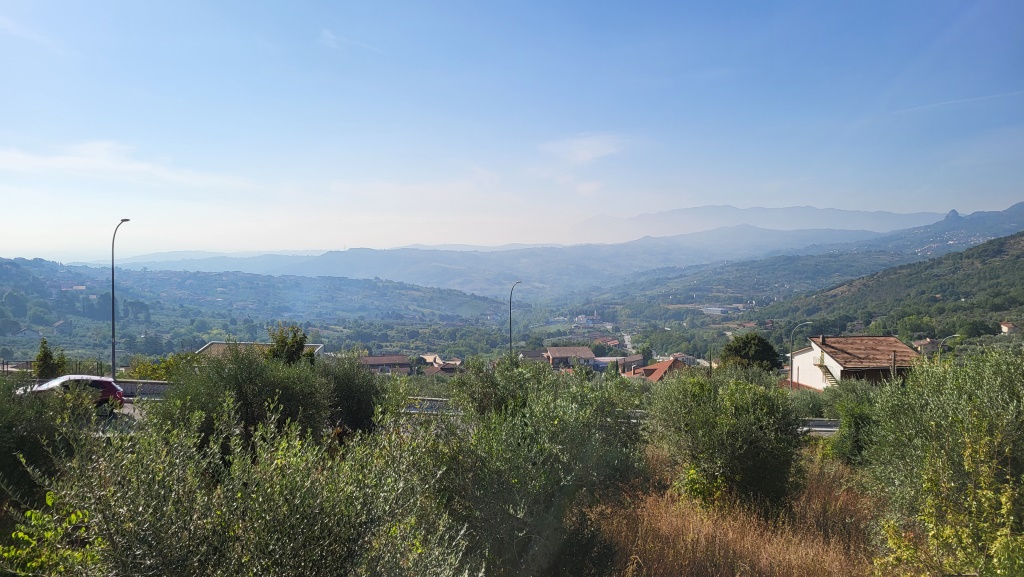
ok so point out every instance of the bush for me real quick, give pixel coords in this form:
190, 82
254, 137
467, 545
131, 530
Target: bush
353, 391
948, 453
162, 501
29, 431
530, 449
852, 402
729, 435
808, 404
303, 395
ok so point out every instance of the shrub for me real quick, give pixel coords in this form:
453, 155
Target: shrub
29, 437
852, 402
162, 501
948, 453
353, 391
728, 434
808, 404
254, 382
531, 447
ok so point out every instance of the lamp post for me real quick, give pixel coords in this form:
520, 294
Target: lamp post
791, 335
113, 305
941, 342
510, 318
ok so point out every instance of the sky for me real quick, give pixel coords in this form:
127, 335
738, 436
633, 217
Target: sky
252, 126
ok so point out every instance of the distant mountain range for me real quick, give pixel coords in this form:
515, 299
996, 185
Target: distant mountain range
547, 271
702, 218
551, 271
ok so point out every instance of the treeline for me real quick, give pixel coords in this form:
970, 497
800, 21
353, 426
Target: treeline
286, 465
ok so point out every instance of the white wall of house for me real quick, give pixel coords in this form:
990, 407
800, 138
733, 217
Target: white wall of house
806, 372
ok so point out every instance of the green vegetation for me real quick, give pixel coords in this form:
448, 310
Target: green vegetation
730, 434
964, 293
948, 451
49, 365
751, 350
267, 464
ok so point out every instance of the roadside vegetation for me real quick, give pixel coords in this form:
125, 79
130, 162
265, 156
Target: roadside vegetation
283, 465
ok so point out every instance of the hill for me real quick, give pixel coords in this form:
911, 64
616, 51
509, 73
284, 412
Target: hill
184, 309
966, 292
547, 271
554, 271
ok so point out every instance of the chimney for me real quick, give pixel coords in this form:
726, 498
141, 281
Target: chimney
822, 339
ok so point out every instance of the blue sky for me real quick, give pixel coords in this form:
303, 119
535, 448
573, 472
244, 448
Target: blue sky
228, 126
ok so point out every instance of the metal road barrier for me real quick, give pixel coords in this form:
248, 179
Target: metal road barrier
820, 427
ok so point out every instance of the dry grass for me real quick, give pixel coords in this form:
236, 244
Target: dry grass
826, 533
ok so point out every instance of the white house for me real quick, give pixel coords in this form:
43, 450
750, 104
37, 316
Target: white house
829, 360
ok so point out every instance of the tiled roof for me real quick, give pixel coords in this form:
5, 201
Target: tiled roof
570, 352
657, 371
866, 352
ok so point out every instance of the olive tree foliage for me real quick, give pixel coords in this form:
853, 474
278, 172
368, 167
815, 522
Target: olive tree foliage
300, 394
853, 403
30, 439
164, 501
531, 447
733, 432
335, 393
947, 451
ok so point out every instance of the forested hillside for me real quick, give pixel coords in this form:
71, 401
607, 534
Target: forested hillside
967, 292
169, 311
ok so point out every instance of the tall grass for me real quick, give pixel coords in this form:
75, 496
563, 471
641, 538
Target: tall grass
825, 532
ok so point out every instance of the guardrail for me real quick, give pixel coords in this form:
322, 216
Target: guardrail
820, 427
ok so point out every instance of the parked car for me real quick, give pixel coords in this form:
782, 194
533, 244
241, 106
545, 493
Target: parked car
106, 390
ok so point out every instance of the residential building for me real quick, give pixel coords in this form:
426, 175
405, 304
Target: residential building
658, 371
387, 364
829, 360
560, 357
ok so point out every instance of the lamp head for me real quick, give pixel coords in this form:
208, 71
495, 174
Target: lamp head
125, 219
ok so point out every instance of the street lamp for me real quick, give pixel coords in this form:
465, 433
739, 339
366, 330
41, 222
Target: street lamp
113, 304
510, 318
940, 345
791, 335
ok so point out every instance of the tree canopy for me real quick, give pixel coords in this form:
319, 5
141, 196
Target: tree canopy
751, 350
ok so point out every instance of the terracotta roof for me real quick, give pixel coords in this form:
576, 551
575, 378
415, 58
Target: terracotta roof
570, 352
218, 348
866, 352
655, 372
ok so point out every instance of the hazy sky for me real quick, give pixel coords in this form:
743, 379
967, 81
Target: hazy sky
299, 125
